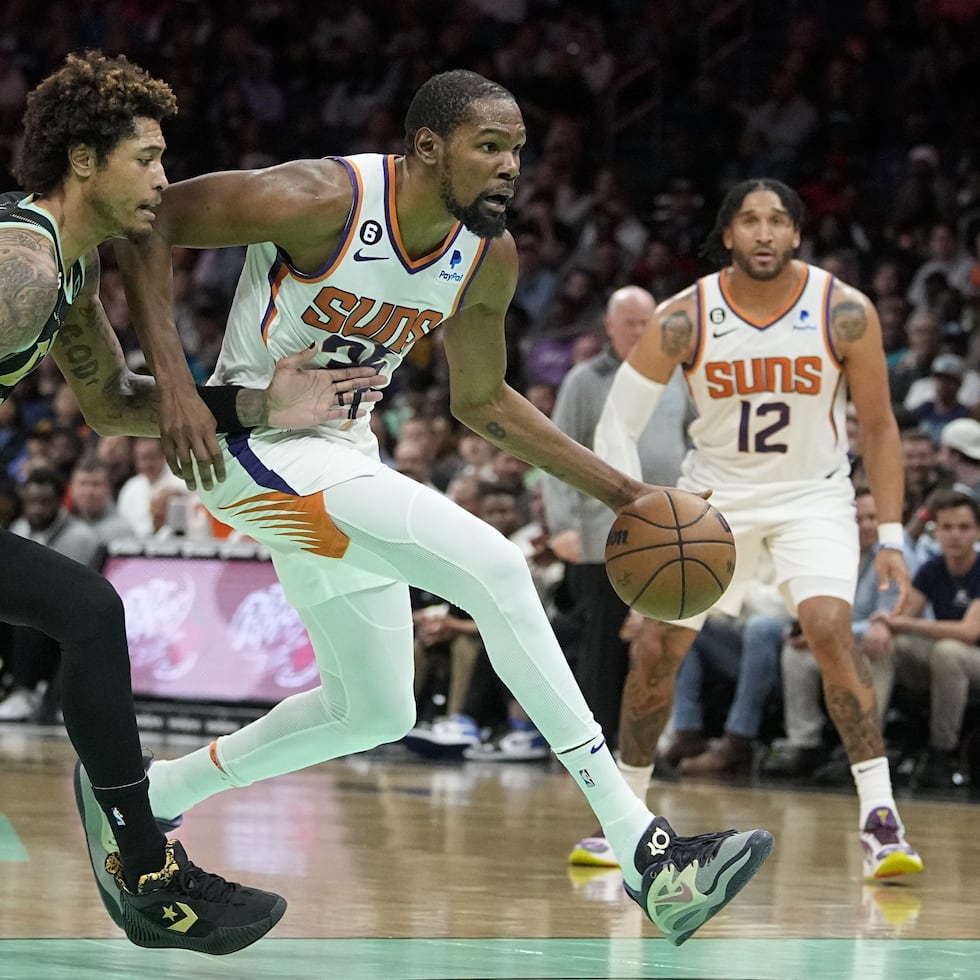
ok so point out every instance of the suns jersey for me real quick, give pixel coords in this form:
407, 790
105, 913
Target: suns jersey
368, 305
771, 396
17, 211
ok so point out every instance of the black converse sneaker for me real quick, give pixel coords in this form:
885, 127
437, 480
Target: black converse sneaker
184, 907
687, 880
101, 842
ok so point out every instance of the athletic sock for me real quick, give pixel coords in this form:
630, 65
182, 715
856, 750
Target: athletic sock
622, 816
873, 780
178, 784
637, 778
140, 843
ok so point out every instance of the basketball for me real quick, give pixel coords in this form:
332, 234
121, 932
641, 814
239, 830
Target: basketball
670, 555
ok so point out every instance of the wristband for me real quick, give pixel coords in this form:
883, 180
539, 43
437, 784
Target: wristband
220, 400
891, 535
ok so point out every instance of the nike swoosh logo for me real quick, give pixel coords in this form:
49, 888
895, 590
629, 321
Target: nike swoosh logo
716, 333
359, 257
595, 748
684, 895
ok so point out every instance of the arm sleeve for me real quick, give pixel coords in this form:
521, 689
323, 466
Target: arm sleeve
628, 408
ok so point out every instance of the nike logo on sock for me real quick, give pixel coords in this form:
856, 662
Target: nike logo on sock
595, 748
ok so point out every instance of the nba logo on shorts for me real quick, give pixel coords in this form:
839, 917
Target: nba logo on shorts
586, 778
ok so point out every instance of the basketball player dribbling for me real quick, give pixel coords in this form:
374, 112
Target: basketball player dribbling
771, 348
362, 256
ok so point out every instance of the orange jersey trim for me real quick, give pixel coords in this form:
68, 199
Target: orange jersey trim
303, 520
391, 216
739, 312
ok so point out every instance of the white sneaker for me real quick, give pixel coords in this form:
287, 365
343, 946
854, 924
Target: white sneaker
444, 737
514, 746
20, 705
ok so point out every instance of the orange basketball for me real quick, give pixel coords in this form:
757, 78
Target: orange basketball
670, 554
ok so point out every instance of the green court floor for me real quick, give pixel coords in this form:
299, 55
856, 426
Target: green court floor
502, 959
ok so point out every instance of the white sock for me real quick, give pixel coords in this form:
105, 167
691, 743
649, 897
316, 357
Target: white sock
637, 778
622, 816
177, 784
873, 780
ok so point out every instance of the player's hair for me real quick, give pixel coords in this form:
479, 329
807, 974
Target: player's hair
443, 102
91, 100
714, 247
949, 499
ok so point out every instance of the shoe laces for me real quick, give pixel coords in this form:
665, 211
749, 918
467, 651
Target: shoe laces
203, 884
701, 848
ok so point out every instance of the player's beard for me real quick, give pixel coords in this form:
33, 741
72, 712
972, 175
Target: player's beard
767, 273
483, 223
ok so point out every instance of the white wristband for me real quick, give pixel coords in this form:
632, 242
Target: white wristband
891, 535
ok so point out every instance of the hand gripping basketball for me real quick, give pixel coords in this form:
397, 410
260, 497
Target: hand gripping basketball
670, 554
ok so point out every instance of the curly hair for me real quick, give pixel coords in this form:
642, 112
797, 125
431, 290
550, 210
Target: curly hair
714, 246
93, 100
443, 102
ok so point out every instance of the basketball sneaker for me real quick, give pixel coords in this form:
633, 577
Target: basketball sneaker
593, 852
687, 880
101, 841
184, 907
887, 854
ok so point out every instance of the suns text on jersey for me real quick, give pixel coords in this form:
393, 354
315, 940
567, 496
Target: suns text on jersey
338, 311
784, 375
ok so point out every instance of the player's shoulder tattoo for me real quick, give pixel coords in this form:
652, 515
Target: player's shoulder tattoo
676, 331
28, 286
848, 314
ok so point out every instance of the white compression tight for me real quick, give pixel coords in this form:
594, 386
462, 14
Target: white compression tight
363, 645
363, 641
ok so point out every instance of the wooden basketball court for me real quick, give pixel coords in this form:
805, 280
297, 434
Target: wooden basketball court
403, 869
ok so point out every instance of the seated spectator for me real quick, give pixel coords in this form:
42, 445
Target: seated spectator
93, 502
946, 255
923, 336
804, 718
959, 453
152, 475
941, 654
32, 658
944, 405
117, 453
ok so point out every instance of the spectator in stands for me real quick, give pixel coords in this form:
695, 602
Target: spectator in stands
946, 255
92, 501
152, 475
941, 654
944, 406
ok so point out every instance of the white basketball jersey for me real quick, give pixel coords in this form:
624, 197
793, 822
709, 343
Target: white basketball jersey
770, 396
367, 306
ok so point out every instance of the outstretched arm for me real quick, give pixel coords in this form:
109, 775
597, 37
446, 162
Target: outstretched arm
297, 205
480, 399
115, 401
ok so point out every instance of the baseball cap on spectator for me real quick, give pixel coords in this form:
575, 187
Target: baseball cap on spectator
963, 435
949, 365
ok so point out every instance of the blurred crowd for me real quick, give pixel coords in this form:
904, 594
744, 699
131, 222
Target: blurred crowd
640, 116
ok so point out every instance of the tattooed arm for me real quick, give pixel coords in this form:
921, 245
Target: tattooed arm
480, 399
29, 277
